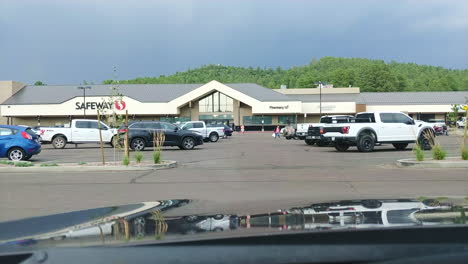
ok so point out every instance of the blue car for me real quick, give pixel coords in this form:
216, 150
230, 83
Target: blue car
18, 143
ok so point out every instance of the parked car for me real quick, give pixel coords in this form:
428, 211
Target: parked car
18, 142
371, 128
288, 132
209, 133
141, 135
439, 125
461, 122
79, 131
228, 130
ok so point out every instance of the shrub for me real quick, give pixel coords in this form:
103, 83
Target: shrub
438, 153
82, 163
125, 160
138, 156
464, 153
157, 157
418, 152
7, 162
23, 164
49, 165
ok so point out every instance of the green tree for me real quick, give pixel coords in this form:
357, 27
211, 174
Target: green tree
39, 83
453, 115
370, 75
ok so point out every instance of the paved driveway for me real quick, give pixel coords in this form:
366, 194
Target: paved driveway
246, 171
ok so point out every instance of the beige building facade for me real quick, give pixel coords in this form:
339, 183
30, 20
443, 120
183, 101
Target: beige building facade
246, 104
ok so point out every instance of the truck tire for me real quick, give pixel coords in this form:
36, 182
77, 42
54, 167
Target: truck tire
218, 217
400, 146
371, 204
191, 218
366, 143
214, 137
188, 143
425, 143
59, 142
341, 147
426, 140
138, 144
310, 142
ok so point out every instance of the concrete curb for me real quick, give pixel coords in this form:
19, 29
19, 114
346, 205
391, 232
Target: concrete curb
451, 162
64, 168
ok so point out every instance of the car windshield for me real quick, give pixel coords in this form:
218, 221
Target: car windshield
230, 117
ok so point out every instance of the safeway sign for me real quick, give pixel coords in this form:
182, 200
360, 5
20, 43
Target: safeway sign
118, 105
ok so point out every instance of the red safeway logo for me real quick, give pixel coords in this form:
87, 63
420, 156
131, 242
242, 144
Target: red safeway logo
120, 105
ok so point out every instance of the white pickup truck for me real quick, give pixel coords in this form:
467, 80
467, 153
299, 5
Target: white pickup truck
303, 128
79, 131
209, 133
370, 128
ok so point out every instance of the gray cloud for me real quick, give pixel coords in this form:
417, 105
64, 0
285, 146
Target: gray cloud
70, 41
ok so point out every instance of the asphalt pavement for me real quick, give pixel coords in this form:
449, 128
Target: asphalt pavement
246, 172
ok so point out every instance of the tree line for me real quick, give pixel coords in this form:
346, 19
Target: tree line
369, 75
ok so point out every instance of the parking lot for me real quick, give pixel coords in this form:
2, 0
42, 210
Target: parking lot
244, 168
252, 151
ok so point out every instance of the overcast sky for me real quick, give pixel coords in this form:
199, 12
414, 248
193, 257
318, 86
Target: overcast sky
66, 42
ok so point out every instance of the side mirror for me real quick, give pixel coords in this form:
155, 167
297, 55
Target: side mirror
176, 129
104, 128
410, 122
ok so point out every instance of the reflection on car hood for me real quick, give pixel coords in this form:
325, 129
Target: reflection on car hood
177, 220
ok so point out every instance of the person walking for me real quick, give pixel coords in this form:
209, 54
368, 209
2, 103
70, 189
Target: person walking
242, 129
277, 132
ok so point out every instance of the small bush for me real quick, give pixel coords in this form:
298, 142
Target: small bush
125, 160
23, 164
438, 153
82, 163
138, 156
7, 162
157, 157
49, 165
418, 152
464, 153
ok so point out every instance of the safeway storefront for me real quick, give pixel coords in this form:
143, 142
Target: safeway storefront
238, 103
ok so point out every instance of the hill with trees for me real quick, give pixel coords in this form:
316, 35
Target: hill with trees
369, 75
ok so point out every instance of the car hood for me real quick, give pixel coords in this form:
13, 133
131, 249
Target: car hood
187, 220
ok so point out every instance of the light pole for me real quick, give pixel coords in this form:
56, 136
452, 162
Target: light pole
320, 91
320, 96
84, 98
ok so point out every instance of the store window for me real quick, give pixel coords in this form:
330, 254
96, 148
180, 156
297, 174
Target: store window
257, 120
216, 102
174, 119
426, 117
216, 117
285, 119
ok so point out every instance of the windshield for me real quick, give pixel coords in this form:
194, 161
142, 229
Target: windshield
332, 113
